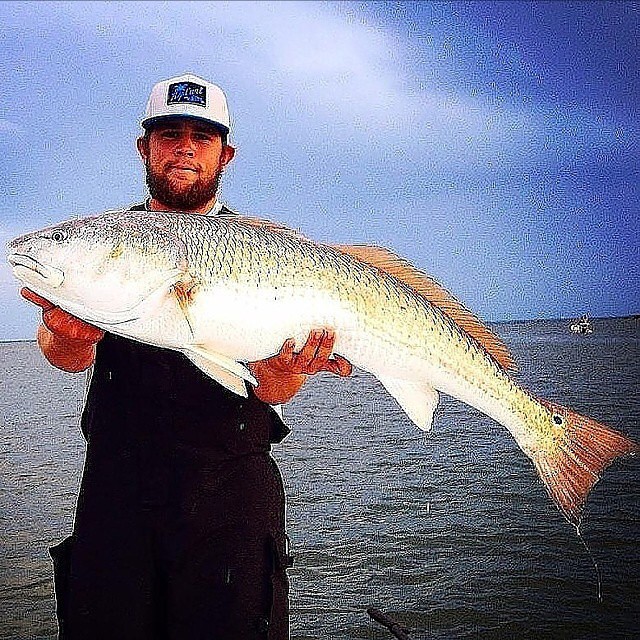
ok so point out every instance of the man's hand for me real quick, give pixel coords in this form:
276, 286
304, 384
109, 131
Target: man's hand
66, 341
281, 376
63, 324
314, 356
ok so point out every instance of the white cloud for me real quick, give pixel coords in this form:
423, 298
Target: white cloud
321, 65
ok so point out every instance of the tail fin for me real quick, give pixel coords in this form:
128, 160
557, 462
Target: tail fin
588, 448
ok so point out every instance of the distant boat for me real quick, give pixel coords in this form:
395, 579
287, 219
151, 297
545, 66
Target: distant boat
581, 326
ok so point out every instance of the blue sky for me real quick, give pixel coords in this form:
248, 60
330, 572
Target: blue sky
495, 145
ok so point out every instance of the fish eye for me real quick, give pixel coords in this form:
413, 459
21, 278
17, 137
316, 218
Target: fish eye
557, 419
59, 236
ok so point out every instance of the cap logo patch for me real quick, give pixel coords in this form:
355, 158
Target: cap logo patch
187, 92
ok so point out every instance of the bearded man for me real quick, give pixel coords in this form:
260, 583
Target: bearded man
180, 526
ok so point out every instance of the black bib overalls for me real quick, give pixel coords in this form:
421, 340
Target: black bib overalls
179, 531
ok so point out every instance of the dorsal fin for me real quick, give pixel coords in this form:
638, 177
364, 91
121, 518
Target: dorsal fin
435, 294
252, 221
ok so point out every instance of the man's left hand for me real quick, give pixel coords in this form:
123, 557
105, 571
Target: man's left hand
314, 356
281, 376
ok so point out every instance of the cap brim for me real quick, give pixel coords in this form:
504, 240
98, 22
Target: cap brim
150, 122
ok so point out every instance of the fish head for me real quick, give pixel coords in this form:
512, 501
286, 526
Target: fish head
106, 263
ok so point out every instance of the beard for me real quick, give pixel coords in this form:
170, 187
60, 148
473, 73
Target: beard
180, 197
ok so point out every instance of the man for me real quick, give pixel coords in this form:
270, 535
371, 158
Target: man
179, 530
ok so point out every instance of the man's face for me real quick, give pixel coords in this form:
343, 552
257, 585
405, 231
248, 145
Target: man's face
184, 160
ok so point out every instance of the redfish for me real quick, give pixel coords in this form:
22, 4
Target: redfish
227, 290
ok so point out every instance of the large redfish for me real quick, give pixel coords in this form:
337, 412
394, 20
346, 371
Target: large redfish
226, 290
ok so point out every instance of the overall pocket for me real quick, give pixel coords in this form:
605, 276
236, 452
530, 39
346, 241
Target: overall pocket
281, 560
61, 556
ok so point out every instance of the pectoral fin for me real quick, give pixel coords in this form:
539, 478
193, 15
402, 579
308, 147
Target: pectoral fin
185, 291
419, 401
105, 317
229, 373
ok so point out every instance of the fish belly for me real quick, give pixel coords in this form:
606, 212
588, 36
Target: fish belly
253, 323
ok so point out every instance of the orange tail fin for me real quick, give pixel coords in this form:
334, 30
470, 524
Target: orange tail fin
587, 450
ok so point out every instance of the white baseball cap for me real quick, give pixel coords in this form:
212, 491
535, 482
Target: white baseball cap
190, 97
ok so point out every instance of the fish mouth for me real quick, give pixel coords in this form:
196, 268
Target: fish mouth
27, 268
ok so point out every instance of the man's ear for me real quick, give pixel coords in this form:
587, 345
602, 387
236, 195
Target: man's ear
227, 154
143, 147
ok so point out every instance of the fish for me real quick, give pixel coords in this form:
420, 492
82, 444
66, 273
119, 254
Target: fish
227, 290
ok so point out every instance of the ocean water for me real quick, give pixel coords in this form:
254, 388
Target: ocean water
450, 532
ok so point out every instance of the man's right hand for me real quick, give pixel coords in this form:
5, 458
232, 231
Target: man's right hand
66, 341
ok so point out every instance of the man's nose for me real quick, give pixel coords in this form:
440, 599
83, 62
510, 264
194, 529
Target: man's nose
185, 147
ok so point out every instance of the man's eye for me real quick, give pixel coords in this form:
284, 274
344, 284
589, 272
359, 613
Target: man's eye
170, 135
203, 137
